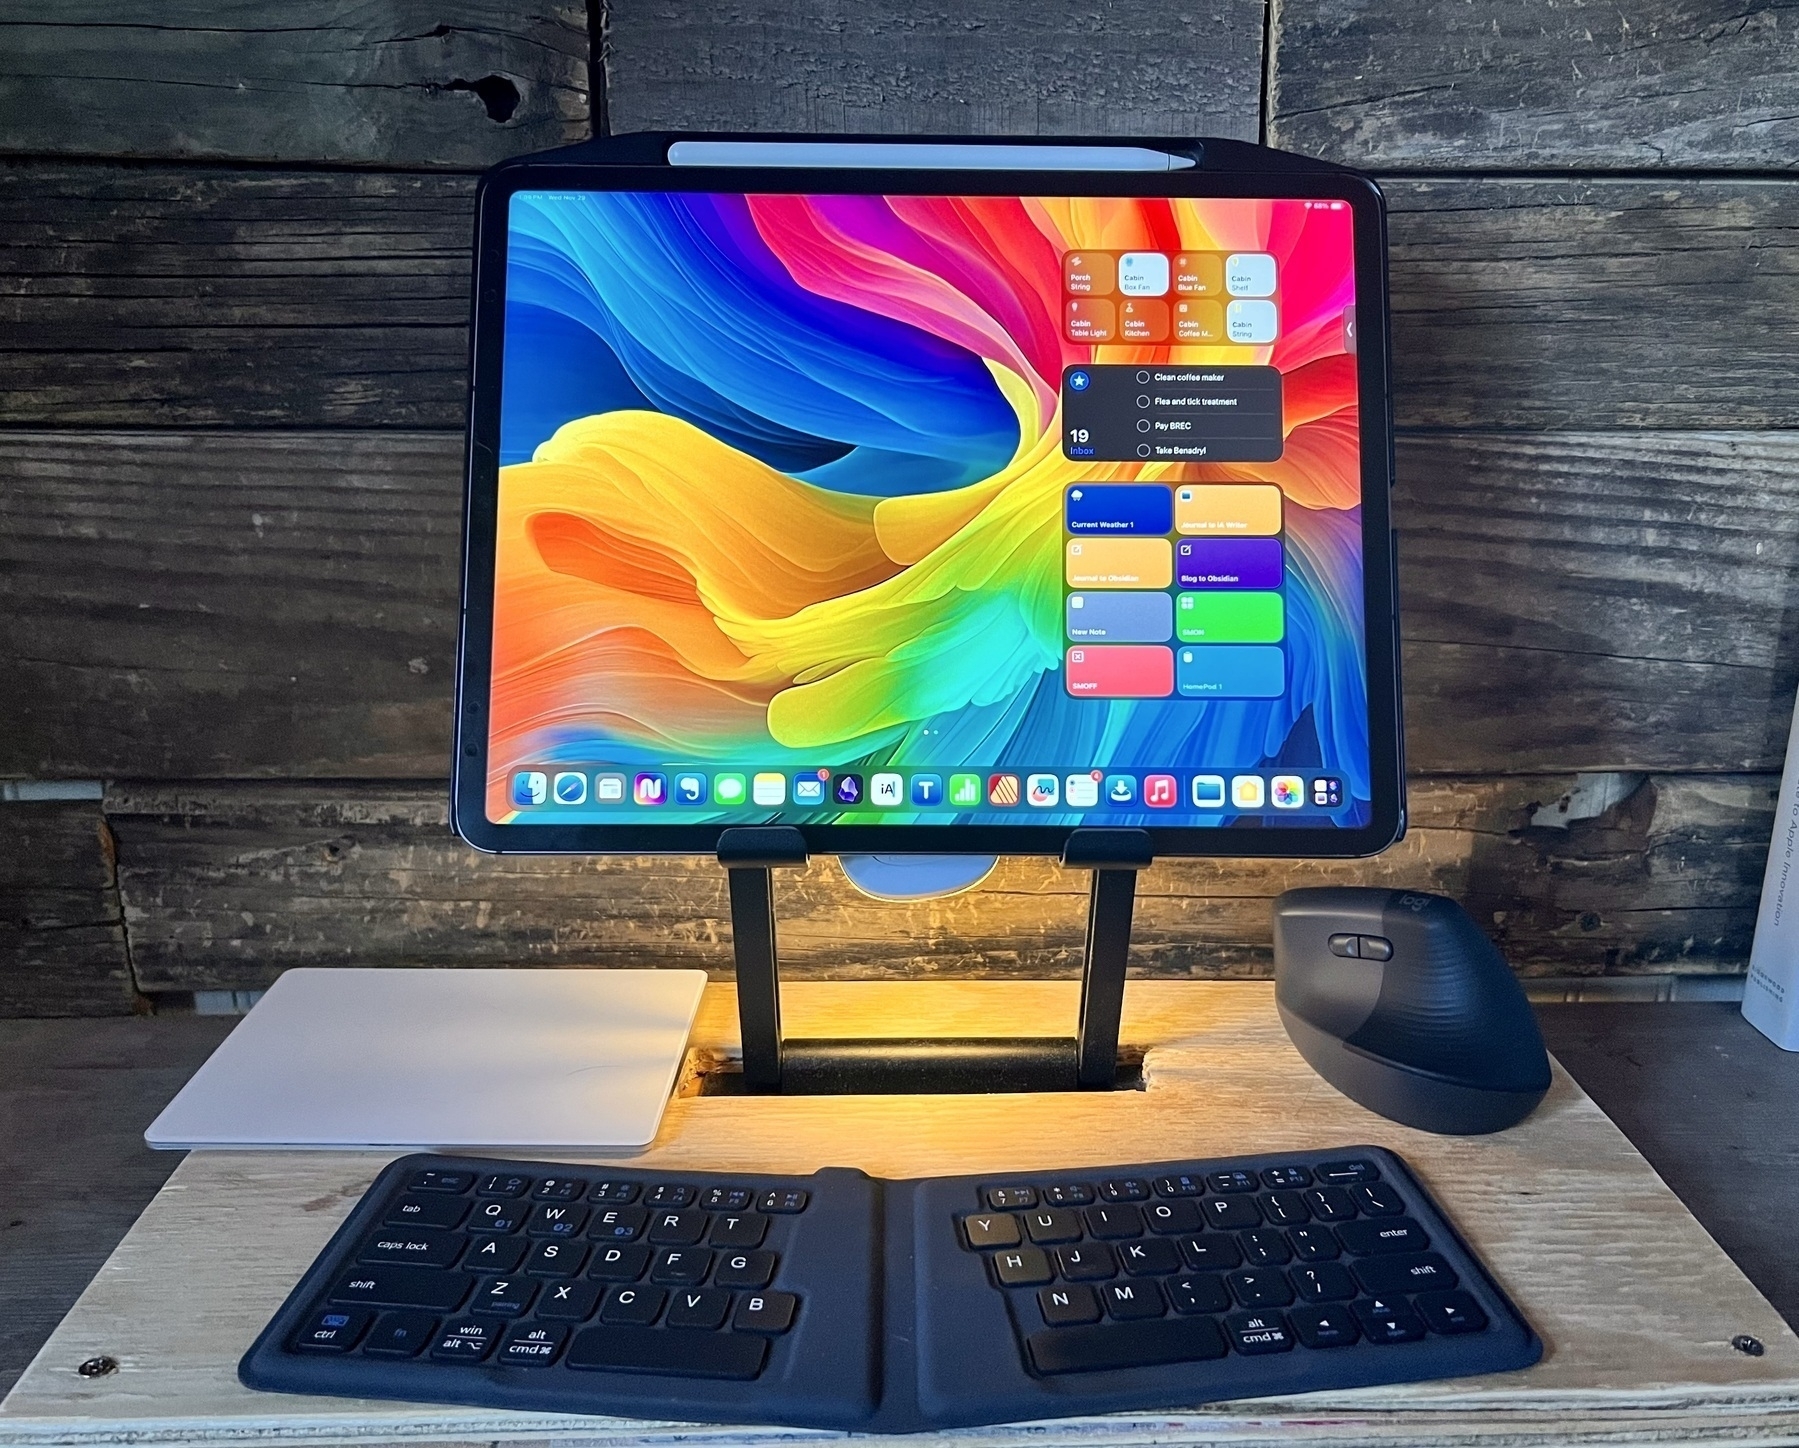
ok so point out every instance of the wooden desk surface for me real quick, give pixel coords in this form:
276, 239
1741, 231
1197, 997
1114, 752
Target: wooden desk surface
1637, 1305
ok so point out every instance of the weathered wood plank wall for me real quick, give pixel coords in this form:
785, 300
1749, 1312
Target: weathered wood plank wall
232, 307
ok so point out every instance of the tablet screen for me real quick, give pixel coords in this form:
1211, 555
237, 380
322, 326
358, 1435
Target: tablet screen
902, 509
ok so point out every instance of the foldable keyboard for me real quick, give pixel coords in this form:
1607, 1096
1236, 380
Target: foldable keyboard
842, 1301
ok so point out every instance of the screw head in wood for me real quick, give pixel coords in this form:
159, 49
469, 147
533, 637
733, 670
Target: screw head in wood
98, 1367
1750, 1346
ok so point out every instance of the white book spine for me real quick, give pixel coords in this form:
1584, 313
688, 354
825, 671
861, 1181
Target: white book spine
1771, 994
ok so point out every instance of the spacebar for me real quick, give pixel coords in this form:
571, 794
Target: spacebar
680, 1354
1125, 1345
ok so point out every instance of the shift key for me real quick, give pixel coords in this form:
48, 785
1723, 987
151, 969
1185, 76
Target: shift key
402, 1287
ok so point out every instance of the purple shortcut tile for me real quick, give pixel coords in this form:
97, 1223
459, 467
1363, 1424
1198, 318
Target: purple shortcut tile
1228, 563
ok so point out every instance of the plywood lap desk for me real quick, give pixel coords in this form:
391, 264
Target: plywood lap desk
1637, 1305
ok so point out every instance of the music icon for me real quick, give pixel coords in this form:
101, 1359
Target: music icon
1160, 791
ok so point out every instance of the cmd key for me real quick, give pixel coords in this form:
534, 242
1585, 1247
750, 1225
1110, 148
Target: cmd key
401, 1287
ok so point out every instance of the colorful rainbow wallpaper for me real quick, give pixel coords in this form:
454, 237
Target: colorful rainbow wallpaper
782, 479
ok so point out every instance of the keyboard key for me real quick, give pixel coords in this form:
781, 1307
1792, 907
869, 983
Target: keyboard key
560, 1189
1073, 1194
1011, 1199
421, 1287
1211, 1253
699, 1307
765, 1312
1053, 1224
1377, 1199
556, 1219
1025, 1267
681, 1355
1324, 1326
1286, 1208
614, 1192
1091, 1262
1113, 1223
441, 1181
1276, 1177
1387, 1320
1260, 1287
784, 1202
1124, 1189
1326, 1282
427, 1211
678, 1229
681, 1266
531, 1345
505, 1184
570, 1301
617, 1224
1406, 1272
423, 1246
503, 1297
1329, 1204
1254, 1333
1342, 1173
497, 1217
1382, 1235
1450, 1313
1314, 1244
1198, 1292
1127, 1301
332, 1331
619, 1264
1169, 1219
726, 1199
637, 1306
465, 1341
670, 1194
993, 1230
1125, 1345
400, 1334
1153, 1257
739, 1229
1232, 1181
745, 1269
1180, 1185
1062, 1306
496, 1254
1266, 1248
1229, 1213
556, 1259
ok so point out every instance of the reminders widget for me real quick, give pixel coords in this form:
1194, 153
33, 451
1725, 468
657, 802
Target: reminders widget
1173, 413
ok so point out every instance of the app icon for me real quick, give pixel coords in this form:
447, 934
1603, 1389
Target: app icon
1208, 791
1327, 793
570, 788
1160, 791
650, 789
530, 787
1002, 789
769, 789
690, 789
810, 788
1246, 791
729, 788
965, 790
1288, 791
608, 788
887, 790
848, 789
927, 790
1121, 789
1042, 790
1082, 790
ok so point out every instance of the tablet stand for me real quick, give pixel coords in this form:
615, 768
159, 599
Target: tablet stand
886, 1065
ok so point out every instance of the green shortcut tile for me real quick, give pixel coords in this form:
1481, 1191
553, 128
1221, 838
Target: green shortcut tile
1230, 618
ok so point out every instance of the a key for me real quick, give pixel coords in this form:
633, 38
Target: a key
739, 1229
556, 1259
503, 1297
1090, 1262
496, 1254
1377, 1199
1125, 1345
1314, 1244
617, 1224
1406, 1272
1022, 1267
1070, 1194
613, 1192
745, 1269
1387, 1320
726, 1199
1124, 1189
619, 1264
1197, 1292
1329, 1204
1232, 1181
1450, 1313
556, 1219
784, 1201
1286, 1208
531, 1345
1342, 1173
673, 1354
1252, 1333
465, 1341
1278, 1177
560, 1189
1129, 1300
1053, 1224
1172, 1218
1260, 1287
497, 1217
634, 1305
768, 1312
421, 1245
670, 1194
1230, 1213
1113, 1223
996, 1229
1324, 1326
1011, 1199
332, 1331
1383, 1236
1073, 1303
441, 1181
427, 1210
1212, 1252
1180, 1185
503, 1184
677, 1229
569, 1301
1152, 1257
698, 1307
421, 1287
400, 1334
681, 1266
1324, 1282
1265, 1248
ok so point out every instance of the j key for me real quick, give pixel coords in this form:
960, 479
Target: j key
784, 1202
1211, 1253
638, 1306
441, 1181
725, 1199
1113, 1223
427, 1211
1180, 1186
1405, 1272
1011, 1199
617, 1224
1265, 1248
1287, 1208
1324, 1326
1382, 1235
1230, 1213
681, 1266
423, 1246
1327, 1282
765, 1312
503, 1185
1125, 1345
400, 1334
1062, 1306
686, 1355
1450, 1312
556, 1259
503, 1297
1092, 1262
1124, 1189
1377, 1199
1260, 1287
1329, 1204
556, 1219
1342, 1173
994, 1230
1024, 1267
1152, 1257
1198, 1292
1053, 1224
745, 1269
465, 1341
701, 1307
1171, 1218
332, 1331
1314, 1244
1072, 1194
569, 1301
1126, 1301
560, 1189
619, 1264
496, 1254
739, 1229
1232, 1181
619, 1192
1276, 1177
532, 1345
1252, 1333
1385, 1320
497, 1216
421, 1287
670, 1194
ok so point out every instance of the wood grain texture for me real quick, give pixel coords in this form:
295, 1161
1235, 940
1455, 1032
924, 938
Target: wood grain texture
224, 886
1636, 1304
1101, 67
1511, 84
62, 938
390, 82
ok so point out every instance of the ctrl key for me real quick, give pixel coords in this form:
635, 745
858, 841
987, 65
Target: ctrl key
333, 1330
466, 1340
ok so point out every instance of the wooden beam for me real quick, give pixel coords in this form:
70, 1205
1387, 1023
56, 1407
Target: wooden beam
393, 83
1513, 84
62, 940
